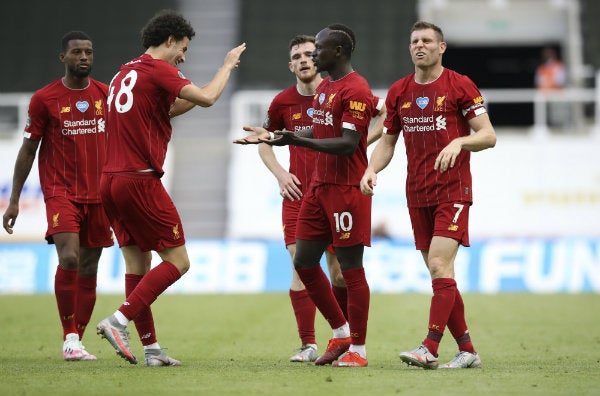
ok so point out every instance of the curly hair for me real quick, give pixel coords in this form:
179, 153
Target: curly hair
74, 35
164, 24
344, 36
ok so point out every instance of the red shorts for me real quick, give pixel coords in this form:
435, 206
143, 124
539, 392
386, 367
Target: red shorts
289, 217
141, 211
450, 220
87, 220
337, 213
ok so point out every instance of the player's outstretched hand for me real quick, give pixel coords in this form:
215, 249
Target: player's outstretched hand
261, 135
255, 135
281, 138
232, 59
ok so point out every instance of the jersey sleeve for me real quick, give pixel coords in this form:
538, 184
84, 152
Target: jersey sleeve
171, 79
274, 120
470, 99
37, 118
377, 105
358, 108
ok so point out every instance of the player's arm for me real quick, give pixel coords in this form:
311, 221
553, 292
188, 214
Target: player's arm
380, 158
483, 137
343, 145
377, 129
180, 106
289, 184
208, 94
23, 165
258, 135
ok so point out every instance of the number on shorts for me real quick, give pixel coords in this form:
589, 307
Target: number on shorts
460, 208
343, 221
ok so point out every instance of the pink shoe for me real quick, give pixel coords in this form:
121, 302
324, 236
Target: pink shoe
86, 355
72, 347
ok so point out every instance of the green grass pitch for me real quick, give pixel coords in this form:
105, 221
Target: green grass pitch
240, 345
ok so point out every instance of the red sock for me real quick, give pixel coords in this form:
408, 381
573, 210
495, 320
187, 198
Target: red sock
64, 290
458, 325
305, 310
144, 322
150, 287
359, 296
444, 294
341, 295
84, 306
319, 289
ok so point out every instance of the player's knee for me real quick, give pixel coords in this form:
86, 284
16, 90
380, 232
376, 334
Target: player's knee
88, 269
182, 265
69, 260
439, 268
337, 279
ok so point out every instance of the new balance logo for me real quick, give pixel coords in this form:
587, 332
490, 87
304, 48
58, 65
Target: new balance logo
344, 235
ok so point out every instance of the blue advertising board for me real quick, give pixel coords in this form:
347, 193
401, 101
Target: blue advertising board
562, 265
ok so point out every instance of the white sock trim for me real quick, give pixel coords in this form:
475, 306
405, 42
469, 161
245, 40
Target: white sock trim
121, 318
360, 349
152, 346
342, 332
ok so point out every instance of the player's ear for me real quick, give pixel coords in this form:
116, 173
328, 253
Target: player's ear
443, 46
170, 40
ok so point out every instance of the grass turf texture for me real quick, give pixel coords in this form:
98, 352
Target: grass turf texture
240, 345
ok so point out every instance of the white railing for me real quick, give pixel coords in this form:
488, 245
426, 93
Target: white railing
541, 99
17, 104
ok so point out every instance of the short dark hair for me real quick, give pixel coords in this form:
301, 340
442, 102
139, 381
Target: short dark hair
421, 25
301, 39
344, 36
73, 35
164, 24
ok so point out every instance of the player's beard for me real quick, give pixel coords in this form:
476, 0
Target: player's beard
308, 79
80, 73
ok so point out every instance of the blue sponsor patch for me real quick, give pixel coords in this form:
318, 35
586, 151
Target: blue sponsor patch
82, 106
422, 102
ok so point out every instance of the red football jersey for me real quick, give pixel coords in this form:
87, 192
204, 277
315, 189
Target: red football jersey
292, 111
431, 116
344, 103
139, 126
71, 124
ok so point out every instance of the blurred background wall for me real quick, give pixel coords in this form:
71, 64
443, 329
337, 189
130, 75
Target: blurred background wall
496, 42
540, 185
